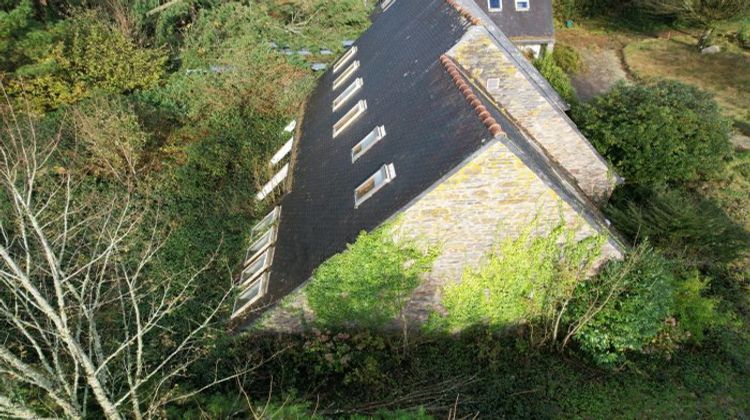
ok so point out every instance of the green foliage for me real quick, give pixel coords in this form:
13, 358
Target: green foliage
636, 313
556, 77
640, 305
522, 279
567, 58
91, 56
657, 134
679, 223
743, 34
368, 284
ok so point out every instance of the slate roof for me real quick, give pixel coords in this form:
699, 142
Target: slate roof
533, 26
431, 129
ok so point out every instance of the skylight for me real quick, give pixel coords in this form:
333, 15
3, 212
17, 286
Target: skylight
366, 143
378, 180
261, 244
282, 152
349, 117
344, 59
522, 5
495, 5
346, 75
266, 222
256, 267
251, 294
273, 183
386, 4
348, 93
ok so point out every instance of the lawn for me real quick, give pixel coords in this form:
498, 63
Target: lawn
676, 57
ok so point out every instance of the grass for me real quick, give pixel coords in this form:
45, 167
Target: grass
677, 58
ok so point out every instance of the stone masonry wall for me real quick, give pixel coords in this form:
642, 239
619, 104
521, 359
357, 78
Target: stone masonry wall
485, 61
491, 198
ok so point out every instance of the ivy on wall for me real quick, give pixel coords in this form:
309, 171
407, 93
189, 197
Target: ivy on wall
523, 279
368, 284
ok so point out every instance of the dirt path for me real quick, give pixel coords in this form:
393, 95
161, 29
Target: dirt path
603, 69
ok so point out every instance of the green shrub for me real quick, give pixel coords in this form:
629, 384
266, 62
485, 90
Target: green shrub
636, 313
743, 34
640, 305
368, 284
657, 134
524, 279
567, 58
556, 77
91, 56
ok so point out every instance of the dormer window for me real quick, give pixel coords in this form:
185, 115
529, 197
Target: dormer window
348, 93
378, 180
349, 117
345, 75
522, 5
495, 5
366, 143
345, 59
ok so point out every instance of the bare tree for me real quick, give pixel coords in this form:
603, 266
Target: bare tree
80, 314
704, 13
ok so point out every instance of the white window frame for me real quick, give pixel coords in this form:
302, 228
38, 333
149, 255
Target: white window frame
262, 284
282, 152
357, 110
256, 267
261, 244
345, 59
275, 181
387, 4
266, 222
368, 142
379, 179
523, 9
494, 9
348, 93
343, 77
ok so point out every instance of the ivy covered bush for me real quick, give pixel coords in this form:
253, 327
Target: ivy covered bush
657, 134
556, 77
368, 284
524, 279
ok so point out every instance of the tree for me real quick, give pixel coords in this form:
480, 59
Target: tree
657, 134
86, 320
704, 13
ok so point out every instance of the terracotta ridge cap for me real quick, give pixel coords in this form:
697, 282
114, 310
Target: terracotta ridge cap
463, 12
466, 89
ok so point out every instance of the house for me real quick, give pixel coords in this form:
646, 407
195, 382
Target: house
528, 23
434, 116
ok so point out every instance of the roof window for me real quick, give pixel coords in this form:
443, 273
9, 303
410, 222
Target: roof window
386, 4
348, 93
345, 59
261, 244
266, 222
495, 5
522, 5
282, 152
251, 294
366, 143
256, 267
378, 180
349, 117
346, 74
290, 127
273, 183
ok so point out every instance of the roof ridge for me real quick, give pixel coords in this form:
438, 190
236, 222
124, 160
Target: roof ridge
487, 119
463, 12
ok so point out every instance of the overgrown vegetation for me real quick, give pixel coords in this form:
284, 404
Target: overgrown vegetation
658, 134
367, 285
548, 67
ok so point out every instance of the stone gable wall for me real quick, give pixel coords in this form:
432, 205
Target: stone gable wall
546, 125
491, 198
